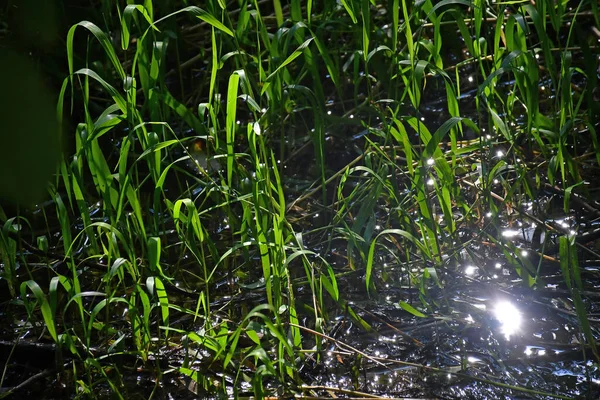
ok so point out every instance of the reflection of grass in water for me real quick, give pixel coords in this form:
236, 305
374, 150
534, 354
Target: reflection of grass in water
420, 200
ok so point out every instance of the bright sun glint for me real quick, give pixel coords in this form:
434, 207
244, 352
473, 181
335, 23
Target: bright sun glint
509, 317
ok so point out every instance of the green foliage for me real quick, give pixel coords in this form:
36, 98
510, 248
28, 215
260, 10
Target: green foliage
152, 247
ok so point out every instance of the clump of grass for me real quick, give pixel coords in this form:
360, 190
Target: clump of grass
146, 250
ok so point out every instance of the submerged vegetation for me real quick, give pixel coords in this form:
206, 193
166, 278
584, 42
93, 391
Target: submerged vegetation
322, 199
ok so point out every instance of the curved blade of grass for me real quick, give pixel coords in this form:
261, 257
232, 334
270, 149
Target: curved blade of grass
126, 20
329, 63
47, 315
444, 3
119, 100
156, 286
201, 14
407, 307
184, 113
348, 5
105, 42
288, 60
432, 144
371, 256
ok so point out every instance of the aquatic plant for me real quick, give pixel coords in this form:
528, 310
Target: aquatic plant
249, 185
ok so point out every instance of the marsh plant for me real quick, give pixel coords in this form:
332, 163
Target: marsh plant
244, 180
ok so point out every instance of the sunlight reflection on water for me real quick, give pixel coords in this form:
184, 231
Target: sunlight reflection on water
509, 317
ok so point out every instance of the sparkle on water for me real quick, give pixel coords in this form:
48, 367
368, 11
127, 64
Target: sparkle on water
509, 233
509, 317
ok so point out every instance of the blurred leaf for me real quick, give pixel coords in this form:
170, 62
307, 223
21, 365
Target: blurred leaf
29, 139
